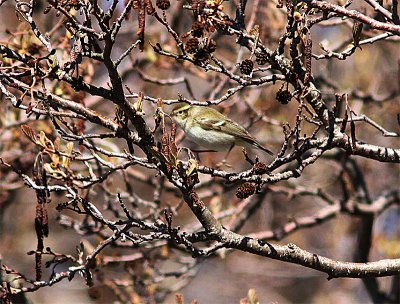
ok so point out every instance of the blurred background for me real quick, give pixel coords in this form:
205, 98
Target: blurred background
227, 276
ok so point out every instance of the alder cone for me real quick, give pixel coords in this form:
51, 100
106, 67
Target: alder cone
246, 67
192, 45
197, 29
260, 168
163, 4
246, 190
283, 96
261, 58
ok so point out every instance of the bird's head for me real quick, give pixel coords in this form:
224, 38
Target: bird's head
180, 113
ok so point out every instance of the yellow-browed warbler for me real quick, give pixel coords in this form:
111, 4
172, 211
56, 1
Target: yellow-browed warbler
213, 130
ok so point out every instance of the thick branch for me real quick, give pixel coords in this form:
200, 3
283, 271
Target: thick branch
353, 14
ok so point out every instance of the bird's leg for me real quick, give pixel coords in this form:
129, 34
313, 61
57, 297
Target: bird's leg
229, 151
197, 152
223, 162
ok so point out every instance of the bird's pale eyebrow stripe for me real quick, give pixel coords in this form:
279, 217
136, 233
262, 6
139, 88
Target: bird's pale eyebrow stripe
182, 108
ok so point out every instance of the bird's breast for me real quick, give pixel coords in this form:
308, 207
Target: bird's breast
210, 139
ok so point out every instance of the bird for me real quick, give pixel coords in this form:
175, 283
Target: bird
213, 130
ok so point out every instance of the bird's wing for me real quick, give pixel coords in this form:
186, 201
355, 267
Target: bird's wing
225, 125
230, 127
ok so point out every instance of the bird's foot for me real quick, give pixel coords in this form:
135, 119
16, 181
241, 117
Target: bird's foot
223, 163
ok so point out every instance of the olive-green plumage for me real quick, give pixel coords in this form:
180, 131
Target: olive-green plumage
213, 130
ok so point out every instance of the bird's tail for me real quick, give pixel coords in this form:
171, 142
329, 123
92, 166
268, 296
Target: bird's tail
256, 144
